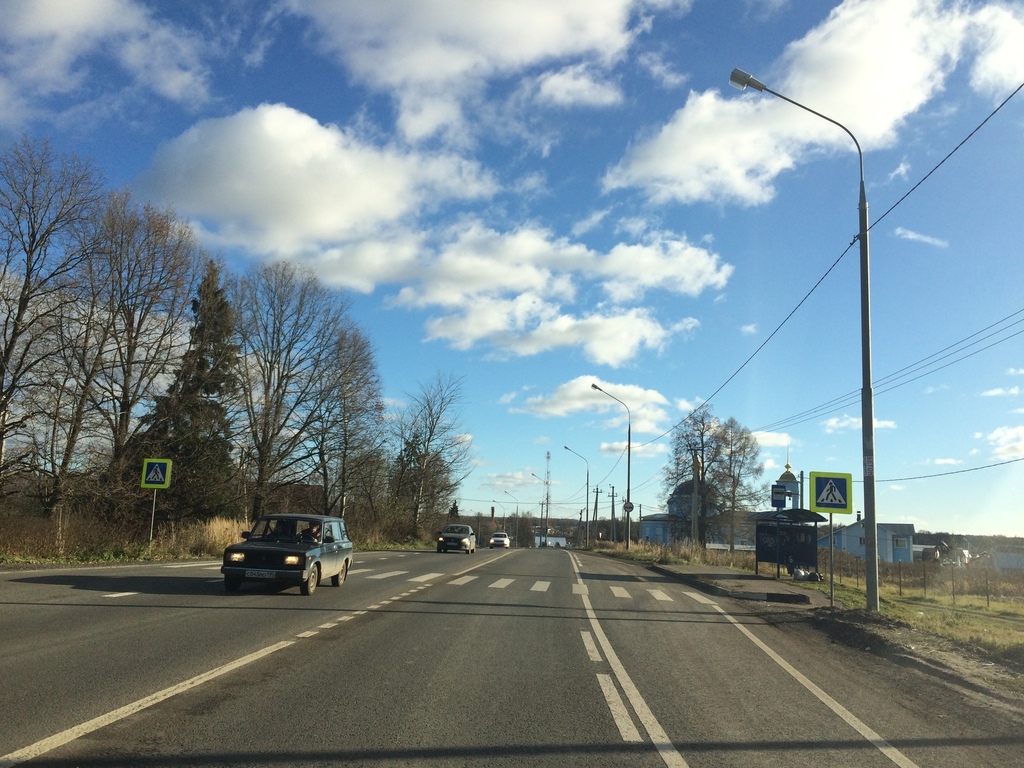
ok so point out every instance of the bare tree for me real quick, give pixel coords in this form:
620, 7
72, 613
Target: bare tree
45, 202
733, 480
287, 324
149, 265
347, 426
728, 466
434, 458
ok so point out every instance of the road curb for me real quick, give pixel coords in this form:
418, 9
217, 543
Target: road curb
712, 588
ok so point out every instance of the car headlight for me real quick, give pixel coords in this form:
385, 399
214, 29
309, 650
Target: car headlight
465, 542
440, 538
293, 560
236, 557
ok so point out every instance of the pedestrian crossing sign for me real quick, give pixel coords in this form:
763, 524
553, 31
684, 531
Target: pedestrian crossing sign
156, 473
832, 492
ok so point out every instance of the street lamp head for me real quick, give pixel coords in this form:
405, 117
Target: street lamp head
740, 79
594, 386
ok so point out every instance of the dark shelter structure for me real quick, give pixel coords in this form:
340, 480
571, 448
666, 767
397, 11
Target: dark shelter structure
787, 537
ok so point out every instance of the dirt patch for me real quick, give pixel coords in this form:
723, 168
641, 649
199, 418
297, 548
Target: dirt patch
970, 669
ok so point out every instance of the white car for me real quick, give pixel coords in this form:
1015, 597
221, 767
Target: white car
499, 540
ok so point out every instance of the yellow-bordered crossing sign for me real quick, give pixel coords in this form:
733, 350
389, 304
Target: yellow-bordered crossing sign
832, 492
156, 473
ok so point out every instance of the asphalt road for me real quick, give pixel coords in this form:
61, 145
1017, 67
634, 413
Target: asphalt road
521, 657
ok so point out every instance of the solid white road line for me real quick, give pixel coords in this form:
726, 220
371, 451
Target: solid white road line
881, 744
620, 715
69, 735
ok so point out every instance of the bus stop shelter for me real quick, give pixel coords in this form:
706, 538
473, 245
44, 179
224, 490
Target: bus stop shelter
787, 537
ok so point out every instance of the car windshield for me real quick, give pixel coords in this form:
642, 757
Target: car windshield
287, 528
460, 529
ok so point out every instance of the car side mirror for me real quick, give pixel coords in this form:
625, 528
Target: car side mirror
328, 538
246, 534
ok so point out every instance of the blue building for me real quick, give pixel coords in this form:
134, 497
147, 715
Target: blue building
895, 541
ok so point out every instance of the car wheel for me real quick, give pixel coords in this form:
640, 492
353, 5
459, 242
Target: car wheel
339, 578
309, 585
231, 584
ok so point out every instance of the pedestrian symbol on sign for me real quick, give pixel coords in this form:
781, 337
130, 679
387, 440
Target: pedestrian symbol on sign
831, 495
156, 473
832, 492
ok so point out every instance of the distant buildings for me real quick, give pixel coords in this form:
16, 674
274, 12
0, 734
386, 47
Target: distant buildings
895, 541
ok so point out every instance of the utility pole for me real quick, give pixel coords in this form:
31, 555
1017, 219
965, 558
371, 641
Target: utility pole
614, 536
596, 492
547, 496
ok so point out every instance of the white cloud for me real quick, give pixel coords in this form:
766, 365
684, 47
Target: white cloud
907, 234
434, 56
1007, 442
52, 47
749, 329
275, 181
773, 439
1001, 392
998, 69
661, 71
765, 136
577, 86
847, 422
647, 407
512, 291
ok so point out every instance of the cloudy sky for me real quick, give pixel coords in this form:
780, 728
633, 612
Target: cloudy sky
539, 195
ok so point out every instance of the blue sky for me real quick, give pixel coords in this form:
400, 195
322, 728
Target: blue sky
541, 195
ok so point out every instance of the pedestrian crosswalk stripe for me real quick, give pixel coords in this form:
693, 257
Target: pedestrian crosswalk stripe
501, 583
540, 586
620, 592
387, 575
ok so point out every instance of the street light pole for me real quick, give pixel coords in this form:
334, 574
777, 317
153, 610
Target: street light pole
586, 498
741, 80
627, 505
517, 516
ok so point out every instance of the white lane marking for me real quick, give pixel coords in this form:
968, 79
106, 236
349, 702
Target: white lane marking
540, 586
620, 592
501, 583
588, 642
69, 735
879, 743
193, 565
580, 589
427, 577
666, 750
387, 575
657, 594
328, 625
463, 580
620, 715
358, 570
700, 598
121, 594
308, 633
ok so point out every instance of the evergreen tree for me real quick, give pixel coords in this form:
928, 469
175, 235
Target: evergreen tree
190, 424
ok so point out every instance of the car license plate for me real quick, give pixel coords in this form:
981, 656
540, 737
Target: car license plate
259, 574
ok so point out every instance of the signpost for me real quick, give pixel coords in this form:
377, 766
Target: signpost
831, 492
156, 473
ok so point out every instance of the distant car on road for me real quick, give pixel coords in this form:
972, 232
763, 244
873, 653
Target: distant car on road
499, 540
293, 550
457, 537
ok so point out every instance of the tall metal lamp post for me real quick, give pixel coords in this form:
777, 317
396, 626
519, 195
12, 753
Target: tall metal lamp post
586, 498
741, 80
627, 505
